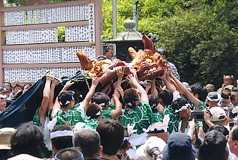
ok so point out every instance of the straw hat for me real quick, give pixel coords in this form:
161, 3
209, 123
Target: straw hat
5, 137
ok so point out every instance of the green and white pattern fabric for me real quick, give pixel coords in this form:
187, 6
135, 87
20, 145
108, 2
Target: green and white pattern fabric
36, 118
106, 113
75, 115
174, 119
173, 125
70, 117
201, 106
158, 117
141, 117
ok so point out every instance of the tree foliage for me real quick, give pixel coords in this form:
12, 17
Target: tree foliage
124, 11
201, 36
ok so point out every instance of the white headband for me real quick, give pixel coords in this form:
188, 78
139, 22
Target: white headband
214, 100
64, 133
186, 106
66, 103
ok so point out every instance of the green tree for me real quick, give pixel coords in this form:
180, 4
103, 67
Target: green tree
200, 36
124, 11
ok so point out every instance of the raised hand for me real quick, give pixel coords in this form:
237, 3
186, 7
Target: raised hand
120, 72
164, 76
116, 93
68, 84
207, 118
95, 81
55, 81
133, 72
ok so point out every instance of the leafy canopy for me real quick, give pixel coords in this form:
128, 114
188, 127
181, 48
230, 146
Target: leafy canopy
200, 36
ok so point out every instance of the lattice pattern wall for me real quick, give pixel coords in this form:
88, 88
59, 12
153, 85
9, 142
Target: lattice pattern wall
48, 15
31, 38
30, 75
48, 55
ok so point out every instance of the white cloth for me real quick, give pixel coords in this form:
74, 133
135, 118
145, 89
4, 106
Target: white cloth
46, 133
137, 140
176, 95
51, 124
143, 152
24, 157
232, 156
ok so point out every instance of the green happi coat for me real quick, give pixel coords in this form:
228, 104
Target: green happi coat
36, 118
73, 116
173, 125
106, 113
174, 119
141, 116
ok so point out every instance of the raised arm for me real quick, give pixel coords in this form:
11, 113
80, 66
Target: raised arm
87, 99
45, 101
56, 108
148, 86
118, 91
187, 93
135, 83
118, 110
154, 90
168, 83
54, 83
56, 105
67, 86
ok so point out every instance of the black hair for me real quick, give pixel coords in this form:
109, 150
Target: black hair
166, 97
112, 134
220, 128
89, 142
69, 154
234, 134
64, 97
28, 139
154, 101
178, 103
198, 89
214, 147
225, 96
107, 49
101, 57
100, 97
93, 111
130, 98
125, 84
62, 142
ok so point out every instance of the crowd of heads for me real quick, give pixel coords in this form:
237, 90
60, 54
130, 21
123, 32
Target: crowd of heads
10, 92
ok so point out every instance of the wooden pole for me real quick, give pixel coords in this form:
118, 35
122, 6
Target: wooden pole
135, 13
98, 26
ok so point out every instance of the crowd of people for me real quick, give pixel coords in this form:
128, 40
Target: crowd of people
155, 119
10, 92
